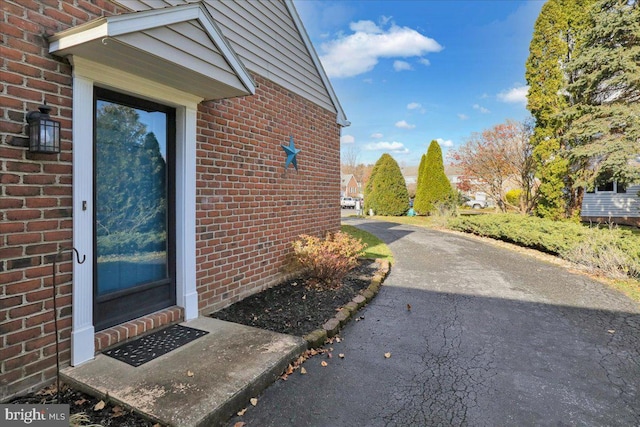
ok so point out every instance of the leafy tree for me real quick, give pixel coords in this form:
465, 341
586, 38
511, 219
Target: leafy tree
386, 191
433, 187
131, 177
556, 38
497, 155
603, 124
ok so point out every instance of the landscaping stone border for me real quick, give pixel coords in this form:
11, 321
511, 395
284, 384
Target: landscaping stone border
332, 326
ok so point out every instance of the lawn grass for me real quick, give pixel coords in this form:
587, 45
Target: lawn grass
376, 248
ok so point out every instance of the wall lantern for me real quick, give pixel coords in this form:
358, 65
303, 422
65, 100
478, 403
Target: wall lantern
44, 133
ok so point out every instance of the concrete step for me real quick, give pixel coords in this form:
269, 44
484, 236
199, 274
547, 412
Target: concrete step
230, 365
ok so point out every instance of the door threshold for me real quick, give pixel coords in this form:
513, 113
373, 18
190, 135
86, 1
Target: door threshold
118, 334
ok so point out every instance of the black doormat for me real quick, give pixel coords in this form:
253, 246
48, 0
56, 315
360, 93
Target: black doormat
147, 348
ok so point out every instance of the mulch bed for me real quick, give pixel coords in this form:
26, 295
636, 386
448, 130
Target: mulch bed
110, 415
295, 308
291, 307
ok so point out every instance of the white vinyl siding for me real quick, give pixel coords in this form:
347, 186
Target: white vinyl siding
610, 204
169, 41
265, 38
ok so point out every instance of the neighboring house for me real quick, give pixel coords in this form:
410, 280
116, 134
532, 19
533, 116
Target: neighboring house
191, 213
612, 203
349, 186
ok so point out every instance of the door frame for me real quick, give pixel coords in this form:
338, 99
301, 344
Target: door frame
116, 309
86, 75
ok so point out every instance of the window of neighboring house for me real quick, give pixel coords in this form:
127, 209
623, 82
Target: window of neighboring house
611, 187
606, 187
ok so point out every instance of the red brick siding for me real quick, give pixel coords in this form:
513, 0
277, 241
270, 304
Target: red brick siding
249, 208
35, 190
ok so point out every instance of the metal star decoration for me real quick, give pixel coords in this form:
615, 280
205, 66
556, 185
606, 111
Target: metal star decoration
292, 152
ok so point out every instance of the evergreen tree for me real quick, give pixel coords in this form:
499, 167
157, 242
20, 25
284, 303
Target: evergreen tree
556, 38
434, 187
603, 129
386, 192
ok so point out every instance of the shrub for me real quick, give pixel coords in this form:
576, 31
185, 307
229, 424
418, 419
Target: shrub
386, 191
609, 251
613, 251
327, 260
513, 197
434, 188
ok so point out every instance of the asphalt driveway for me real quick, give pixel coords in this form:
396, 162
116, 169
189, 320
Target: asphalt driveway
478, 335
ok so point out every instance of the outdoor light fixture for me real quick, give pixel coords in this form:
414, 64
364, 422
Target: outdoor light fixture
44, 133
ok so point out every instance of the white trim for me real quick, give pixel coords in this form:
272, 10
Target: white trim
186, 293
64, 42
86, 74
82, 332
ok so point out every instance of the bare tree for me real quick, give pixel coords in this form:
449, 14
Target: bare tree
497, 156
349, 160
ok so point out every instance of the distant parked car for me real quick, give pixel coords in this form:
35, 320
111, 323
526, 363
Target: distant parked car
476, 204
347, 203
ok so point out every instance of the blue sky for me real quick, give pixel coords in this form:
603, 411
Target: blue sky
408, 72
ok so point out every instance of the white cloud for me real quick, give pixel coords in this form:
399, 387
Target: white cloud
347, 139
376, 135
358, 53
401, 65
365, 27
463, 116
402, 124
394, 147
516, 95
481, 109
413, 106
424, 61
445, 143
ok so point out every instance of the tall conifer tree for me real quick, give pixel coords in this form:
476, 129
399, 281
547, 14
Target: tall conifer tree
433, 185
557, 36
603, 124
386, 192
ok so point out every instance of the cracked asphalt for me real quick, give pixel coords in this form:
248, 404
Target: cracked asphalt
493, 337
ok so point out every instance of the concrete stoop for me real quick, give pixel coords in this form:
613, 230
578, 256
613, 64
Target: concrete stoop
206, 381
199, 384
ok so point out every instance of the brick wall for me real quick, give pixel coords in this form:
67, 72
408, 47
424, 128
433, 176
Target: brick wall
249, 208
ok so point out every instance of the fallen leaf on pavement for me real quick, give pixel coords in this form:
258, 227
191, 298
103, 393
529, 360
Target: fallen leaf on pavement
611, 331
241, 412
303, 371
323, 363
341, 355
409, 307
99, 406
254, 401
338, 339
190, 373
387, 355
80, 402
239, 424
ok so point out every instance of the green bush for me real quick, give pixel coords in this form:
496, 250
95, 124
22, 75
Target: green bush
513, 197
611, 250
386, 191
327, 260
434, 192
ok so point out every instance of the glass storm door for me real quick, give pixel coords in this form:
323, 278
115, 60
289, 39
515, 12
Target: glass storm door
134, 208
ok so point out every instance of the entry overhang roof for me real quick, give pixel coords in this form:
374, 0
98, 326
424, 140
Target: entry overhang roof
180, 47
